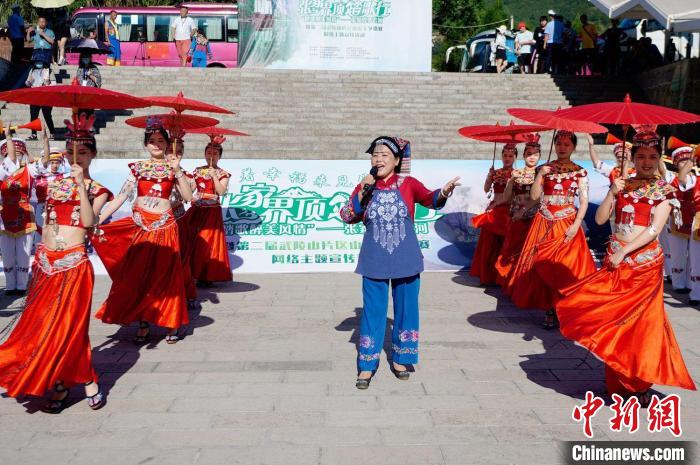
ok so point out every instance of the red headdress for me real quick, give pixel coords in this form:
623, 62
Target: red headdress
646, 137
81, 129
20, 146
533, 140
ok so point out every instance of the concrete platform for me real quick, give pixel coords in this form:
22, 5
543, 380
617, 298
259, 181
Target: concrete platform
266, 376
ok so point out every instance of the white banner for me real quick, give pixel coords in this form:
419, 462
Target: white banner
353, 35
281, 216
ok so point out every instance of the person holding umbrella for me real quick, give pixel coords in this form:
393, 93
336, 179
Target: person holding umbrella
50, 347
522, 211
555, 253
493, 223
208, 255
390, 255
142, 252
618, 312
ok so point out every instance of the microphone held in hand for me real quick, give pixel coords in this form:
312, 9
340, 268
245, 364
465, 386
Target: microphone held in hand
368, 188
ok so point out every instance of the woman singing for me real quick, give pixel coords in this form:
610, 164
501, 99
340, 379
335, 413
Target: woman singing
390, 254
493, 223
50, 346
618, 313
142, 252
555, 254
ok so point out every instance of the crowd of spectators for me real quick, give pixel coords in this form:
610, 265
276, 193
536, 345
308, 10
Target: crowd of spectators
555, 46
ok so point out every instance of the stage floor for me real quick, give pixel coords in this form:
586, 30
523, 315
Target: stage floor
266, 376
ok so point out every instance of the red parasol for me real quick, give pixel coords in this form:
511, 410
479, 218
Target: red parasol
179, 103
499, 134
75, 97
553, 120
214, 131
498, 130
175, 121
628, 112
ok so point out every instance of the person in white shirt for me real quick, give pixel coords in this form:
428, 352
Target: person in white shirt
499, 49
524, 40
183, 29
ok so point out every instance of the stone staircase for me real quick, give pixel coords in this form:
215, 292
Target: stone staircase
330, 114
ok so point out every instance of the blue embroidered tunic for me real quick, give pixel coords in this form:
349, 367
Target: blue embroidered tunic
390, 247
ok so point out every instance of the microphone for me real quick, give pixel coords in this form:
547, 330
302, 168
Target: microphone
368, 188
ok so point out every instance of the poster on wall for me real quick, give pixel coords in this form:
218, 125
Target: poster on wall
351, 35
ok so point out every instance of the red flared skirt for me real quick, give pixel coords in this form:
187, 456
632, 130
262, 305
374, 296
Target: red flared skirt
142, 256
184, 236
51, 342
619, 315
493, 224
209, 253
547, 264
510, 252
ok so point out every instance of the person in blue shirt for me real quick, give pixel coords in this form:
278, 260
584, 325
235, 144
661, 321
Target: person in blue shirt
15, 26
44, 39
200, 50
553, 42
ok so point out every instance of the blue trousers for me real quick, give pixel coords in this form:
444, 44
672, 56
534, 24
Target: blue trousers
199, 60
404, 336
116, 49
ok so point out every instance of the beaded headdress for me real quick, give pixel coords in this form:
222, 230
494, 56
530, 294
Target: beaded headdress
564, 133
533, 140
618, 147
80, 129
20, 146
682, 153
154, 123
646, 137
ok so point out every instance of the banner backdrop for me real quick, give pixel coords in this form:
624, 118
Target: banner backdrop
281, 216
353, 35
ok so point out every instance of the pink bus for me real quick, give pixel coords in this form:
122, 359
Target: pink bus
146, 35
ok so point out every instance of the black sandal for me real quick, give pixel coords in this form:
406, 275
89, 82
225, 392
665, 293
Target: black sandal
97, 401
362, 383
644, 398
550, 320
142, 339
57, 405
403, 375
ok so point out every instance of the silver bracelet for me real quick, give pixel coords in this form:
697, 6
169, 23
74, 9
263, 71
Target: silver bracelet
179, 174
652, 230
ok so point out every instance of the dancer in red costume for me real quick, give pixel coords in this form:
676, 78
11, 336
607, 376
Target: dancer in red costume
182, 219
555, 254
493, 223
522, 210
50, 346
618, 313
208, 255
142, 252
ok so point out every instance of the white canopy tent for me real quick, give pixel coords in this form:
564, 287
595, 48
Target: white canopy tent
675, 15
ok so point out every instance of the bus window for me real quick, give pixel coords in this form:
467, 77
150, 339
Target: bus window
158, 28
232, 29
84, 23
131, 27
212, 26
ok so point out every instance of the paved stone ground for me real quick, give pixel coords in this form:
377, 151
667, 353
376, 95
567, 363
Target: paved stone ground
266, 376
